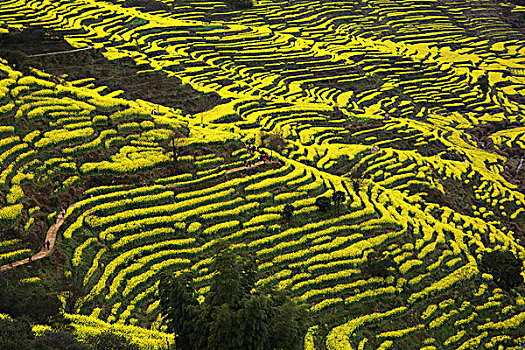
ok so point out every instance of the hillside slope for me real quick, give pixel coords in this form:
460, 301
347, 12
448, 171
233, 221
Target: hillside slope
436, 86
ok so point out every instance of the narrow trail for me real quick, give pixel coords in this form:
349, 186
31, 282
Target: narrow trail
234, 170
52, 231
51, 237
519, 167
60, 52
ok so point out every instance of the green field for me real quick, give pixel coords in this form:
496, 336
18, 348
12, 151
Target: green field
414, 109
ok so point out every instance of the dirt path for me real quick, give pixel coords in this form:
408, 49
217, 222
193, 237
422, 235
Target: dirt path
234, 170
51, 237
60, 52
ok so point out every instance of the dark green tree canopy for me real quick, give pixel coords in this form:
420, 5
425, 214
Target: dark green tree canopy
504, 267
323, 203
233, 315
111, 341
274, 141
29, 301
356, 177
17, 335
378, 266
483, 82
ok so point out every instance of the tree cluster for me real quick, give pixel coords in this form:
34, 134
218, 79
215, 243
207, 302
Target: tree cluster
325, 203
28, 301
17, 334
233, 315
26, 305
274, 140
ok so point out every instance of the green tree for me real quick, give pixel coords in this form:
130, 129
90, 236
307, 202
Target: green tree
222, 333
287, 324
338, 197
504, 267
483, 82
235, 276
357, 178
323, 203
234, 315
275, 141
254, 322
178, 301
287, 212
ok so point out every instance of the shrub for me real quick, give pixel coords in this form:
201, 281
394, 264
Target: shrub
15, 334
59, 341
111, 341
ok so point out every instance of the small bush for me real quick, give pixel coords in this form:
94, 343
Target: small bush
111, 341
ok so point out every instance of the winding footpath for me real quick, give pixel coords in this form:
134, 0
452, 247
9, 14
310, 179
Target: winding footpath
52, 231
51, 237
234, 170
61, 52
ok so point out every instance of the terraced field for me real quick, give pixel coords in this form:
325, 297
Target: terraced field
425, 99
